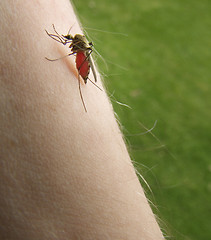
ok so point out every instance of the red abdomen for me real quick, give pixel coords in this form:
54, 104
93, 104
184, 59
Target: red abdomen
82, 64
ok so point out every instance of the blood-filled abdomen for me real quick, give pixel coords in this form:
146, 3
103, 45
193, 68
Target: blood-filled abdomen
82, 64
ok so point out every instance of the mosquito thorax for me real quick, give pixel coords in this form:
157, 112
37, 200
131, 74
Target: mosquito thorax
80, 43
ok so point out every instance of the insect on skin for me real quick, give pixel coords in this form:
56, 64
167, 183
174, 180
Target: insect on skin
82, 49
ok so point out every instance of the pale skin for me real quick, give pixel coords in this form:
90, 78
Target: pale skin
64, 173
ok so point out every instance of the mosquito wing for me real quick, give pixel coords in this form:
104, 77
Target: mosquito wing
92, 67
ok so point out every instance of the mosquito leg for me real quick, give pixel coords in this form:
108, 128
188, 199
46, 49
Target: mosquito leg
65, 40
57, 37
79, 85
95, 84
52, 60
54, 37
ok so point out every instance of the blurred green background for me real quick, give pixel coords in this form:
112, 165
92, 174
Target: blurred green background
161, 69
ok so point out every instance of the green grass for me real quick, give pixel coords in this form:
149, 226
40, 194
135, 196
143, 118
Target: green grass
162, 70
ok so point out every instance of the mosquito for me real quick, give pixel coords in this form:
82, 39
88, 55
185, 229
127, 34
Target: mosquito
82, 49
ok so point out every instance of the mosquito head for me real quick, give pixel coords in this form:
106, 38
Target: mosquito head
68, 37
